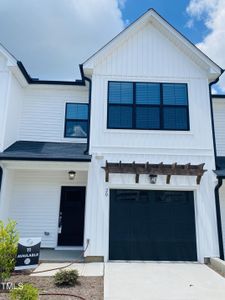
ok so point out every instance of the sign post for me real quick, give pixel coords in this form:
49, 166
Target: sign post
28, 253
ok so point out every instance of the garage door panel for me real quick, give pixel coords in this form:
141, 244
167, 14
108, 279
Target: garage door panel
152, 225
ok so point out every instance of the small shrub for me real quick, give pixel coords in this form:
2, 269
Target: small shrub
66, 278
8, 248
27, 292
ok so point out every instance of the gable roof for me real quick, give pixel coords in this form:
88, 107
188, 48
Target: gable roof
151, 16
31, 80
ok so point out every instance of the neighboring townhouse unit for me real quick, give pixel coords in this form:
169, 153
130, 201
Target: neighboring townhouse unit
219, 120
121, 162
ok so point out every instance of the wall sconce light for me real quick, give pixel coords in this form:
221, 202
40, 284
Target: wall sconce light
72, 175
153, 179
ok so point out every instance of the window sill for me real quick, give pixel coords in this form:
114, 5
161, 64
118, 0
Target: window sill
146, 131
75, 140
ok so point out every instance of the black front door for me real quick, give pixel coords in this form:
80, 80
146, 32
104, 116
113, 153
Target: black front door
71, 216
152, 225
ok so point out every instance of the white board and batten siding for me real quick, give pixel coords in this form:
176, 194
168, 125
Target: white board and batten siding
10, 105
35, 200
148, 55
219, 120
43, 112
13, 112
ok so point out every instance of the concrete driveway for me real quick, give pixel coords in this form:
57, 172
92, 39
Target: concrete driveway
162, 281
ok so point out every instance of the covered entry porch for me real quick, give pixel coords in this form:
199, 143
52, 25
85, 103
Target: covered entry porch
47, 199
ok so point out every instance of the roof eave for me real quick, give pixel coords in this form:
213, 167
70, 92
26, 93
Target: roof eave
16, 158
30, 80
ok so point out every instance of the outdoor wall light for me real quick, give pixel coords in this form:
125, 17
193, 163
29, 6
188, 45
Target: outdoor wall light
153, 179
72, 175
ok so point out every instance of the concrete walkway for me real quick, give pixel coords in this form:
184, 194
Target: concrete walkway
90, 269
162, 281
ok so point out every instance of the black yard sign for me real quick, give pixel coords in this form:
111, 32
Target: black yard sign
28, 253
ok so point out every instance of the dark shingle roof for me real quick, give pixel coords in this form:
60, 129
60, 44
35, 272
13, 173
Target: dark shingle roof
216, 96
220, 162
47, 151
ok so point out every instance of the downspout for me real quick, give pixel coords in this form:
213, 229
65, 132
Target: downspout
212, 119
1, 173
84, 78
218, 216
220, 179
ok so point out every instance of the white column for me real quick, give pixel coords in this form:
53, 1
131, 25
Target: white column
206, 224
5, 194
96, 213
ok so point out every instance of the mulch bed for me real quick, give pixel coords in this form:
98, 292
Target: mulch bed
90, 288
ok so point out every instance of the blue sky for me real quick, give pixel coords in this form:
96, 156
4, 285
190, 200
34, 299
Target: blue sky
174, 11
52, 37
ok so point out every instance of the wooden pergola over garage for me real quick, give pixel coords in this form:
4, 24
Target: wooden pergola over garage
154, 170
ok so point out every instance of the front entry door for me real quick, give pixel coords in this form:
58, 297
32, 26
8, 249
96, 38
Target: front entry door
71, 216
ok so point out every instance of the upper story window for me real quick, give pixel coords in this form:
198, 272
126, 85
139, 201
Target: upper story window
76, 121
152, 106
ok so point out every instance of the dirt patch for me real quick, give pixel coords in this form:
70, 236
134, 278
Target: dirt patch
90, 288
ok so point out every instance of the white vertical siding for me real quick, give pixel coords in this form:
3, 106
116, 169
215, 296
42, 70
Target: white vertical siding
35, 201
149, 56
43, 113
13, 112
4, 89
98, 200
6, 193
219, 120
199, 138
148, 52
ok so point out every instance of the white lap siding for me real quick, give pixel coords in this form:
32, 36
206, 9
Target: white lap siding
43, 113
35, 202
219, 118
222, 207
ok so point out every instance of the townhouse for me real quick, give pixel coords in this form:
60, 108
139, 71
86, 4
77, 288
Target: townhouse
121, 162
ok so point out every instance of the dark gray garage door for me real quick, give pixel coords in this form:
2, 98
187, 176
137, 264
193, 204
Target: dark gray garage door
152, 225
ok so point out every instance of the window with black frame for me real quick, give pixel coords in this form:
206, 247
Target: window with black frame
76, 120
149, 106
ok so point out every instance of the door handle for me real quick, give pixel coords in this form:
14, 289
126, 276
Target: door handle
60, 223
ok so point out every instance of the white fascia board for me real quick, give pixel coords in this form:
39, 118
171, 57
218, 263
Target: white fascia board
11, 63
213, 68
45, 165
11, 60
18, 75
124, 34
56, 87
